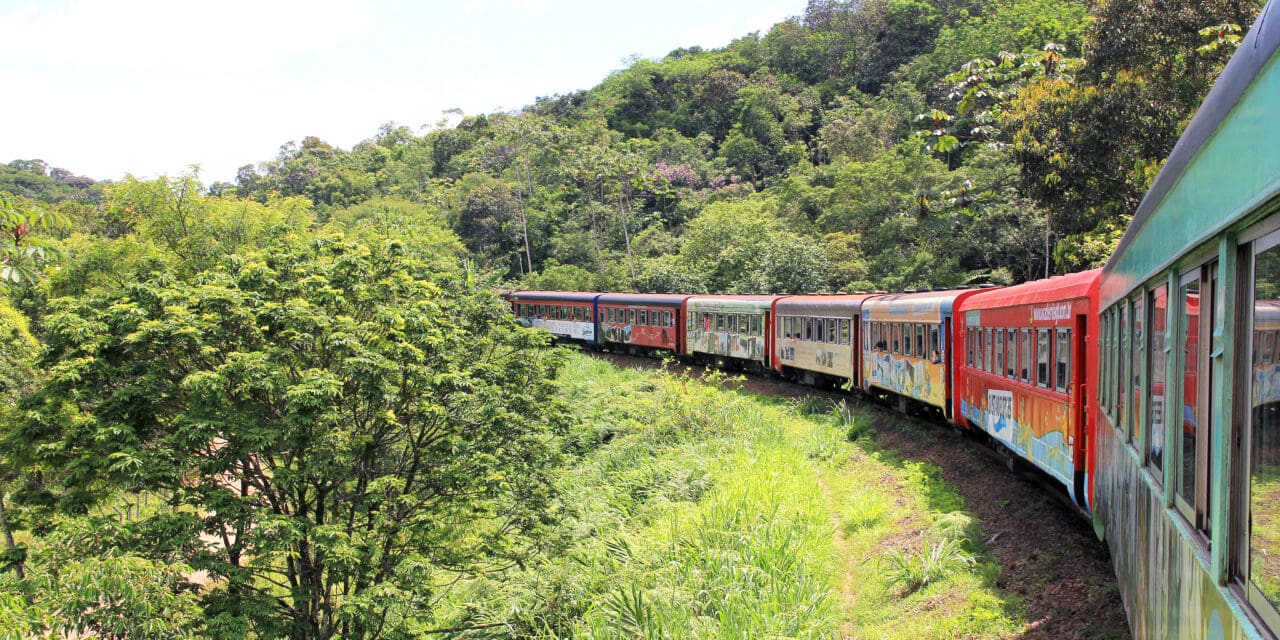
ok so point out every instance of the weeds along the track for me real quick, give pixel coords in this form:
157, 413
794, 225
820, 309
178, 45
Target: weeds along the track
694, 510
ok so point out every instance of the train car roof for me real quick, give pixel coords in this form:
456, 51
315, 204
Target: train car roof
662, 299
940, 301
1058, 288
560, 296
840, 305
733, 301
1224, 165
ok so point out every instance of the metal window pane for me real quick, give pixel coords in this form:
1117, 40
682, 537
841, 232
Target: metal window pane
1011, 354
1025, 351
999, 351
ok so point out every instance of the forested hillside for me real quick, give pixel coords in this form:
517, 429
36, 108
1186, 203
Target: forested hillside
301, 391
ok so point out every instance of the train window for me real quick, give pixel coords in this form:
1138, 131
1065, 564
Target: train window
977, 350
784, 327
819, 333
757, 328
999, 350
744, 323
1260, 569
935, 344
833, 330
968, 347
897, 338
846, 333
1011, 354
988, 351
1197, 315
1042, 358
612, 314
1188, 361
668, 319
1119, 374
1268, 347
882, 337
1024, 348
588, 314
719, 321
920, 341
1137, 365
808, 329
1159, 298
1062, 373
906, 339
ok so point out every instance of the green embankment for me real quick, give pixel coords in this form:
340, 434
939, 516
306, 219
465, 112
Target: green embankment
699, 511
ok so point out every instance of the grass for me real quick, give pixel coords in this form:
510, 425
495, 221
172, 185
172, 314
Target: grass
694, 510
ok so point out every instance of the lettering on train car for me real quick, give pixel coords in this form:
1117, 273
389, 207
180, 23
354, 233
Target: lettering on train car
1051, 313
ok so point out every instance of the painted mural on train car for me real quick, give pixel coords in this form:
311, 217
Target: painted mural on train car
918, 378
832, 359
565, 328
727, 343
1033, 427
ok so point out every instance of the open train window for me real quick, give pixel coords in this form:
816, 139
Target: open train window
1062, 372
906, 339
1042, 358
644, 317
756, 326
719, 322
1011, 354
935, 344
920, 341
977, 351
897, 338
846, 333
833, 330
1159, 299
819, 330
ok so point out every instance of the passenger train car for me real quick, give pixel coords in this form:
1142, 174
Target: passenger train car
640, 322
905, 348
1150, 390
816, 338
1024, 377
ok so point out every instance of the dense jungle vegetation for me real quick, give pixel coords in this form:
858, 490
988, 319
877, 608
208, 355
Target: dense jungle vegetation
301, 391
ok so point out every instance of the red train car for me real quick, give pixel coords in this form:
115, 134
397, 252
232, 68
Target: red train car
634, 321
1027, 367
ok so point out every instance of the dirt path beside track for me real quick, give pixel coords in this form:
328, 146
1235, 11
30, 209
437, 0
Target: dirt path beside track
1048, 553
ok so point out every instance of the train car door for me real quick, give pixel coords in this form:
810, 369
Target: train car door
948, 366
1079, 408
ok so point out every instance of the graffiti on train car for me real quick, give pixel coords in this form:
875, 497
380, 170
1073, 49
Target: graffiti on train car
566, 328
724, 343
918, 379
1013, 422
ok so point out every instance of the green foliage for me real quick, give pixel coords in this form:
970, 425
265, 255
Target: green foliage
910, 572
351, 427
23, 252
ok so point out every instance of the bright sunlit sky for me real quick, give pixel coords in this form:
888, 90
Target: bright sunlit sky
108, 87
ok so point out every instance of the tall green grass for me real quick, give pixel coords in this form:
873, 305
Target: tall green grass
693, 510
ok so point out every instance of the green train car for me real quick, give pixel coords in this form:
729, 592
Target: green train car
1187, 492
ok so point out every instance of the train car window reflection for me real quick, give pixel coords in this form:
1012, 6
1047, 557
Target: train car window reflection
818, 332
907, 329
1185, 444
920, 341
1263, 484
1025, 350
1120, 372
1042, 358
935, 343
897, 338
756, 326
1137, 363
1062, 373
846, 335
1159, 359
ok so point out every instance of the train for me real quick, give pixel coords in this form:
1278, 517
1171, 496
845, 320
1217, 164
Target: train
1148, 389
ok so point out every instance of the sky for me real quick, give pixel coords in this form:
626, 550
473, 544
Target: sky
105, 88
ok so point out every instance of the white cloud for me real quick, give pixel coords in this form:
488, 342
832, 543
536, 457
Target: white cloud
475, 6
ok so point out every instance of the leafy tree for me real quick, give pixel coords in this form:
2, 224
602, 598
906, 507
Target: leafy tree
22, 251
349, 431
